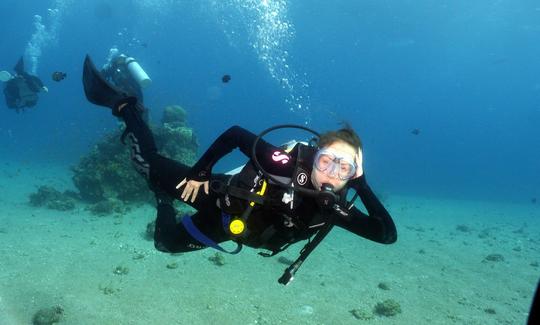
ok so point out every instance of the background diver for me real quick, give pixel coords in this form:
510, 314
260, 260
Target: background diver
21, 89
126, 74
254, 207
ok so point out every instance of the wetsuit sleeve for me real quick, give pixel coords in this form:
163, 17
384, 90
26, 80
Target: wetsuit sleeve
237, 137
377, 225
33, 82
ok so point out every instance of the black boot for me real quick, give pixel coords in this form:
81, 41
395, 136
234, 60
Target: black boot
100, 92
162, 198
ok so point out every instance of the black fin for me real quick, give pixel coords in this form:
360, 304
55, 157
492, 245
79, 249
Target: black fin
97, 90
19, 67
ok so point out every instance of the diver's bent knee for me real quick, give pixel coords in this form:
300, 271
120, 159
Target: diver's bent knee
160, 246
390, 240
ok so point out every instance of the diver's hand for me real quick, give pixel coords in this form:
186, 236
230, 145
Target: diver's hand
191, 189
358, 159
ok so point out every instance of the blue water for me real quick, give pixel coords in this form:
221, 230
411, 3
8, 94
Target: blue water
466, 74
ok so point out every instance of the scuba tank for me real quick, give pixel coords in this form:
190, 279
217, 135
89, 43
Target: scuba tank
137, 72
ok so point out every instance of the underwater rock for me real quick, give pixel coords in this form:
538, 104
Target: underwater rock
463, 228
218, 259
387, 308
51, 198
361, 314
494, 258
172, 266
485, 233
490, 311
48, 316
121, 270
383, 286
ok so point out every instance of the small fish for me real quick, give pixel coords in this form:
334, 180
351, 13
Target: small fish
226, 78
415, 131
58, 76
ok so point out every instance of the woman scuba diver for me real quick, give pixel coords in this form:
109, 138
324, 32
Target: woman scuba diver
279, 197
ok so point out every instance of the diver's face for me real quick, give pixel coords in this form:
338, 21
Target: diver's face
332, 177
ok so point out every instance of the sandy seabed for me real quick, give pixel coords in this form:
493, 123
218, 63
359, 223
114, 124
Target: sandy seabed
437, 271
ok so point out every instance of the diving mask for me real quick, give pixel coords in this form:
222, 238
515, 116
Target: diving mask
333, 163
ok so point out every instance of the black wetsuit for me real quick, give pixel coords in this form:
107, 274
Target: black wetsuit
21, 91
271, 226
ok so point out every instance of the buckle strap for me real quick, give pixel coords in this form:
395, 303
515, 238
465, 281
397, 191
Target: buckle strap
203, 239
240, 193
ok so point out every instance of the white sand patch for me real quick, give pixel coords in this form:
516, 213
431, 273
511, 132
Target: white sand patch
435, 271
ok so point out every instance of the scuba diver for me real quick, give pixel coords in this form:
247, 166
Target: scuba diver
279, 197
21, 89
125, 73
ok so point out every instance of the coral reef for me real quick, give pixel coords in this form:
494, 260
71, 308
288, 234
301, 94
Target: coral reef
106, 172
51, 198
105, 178
107, 206
183, 146
174, 115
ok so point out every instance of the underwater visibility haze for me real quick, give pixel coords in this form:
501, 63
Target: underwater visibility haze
445, 96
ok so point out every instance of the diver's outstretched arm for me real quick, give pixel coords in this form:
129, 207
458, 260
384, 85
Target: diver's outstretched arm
377, 225
234, 137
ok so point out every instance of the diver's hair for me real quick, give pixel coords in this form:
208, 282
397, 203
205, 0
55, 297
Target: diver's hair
345, 134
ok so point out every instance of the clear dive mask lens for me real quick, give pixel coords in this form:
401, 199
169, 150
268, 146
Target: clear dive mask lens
334, 164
